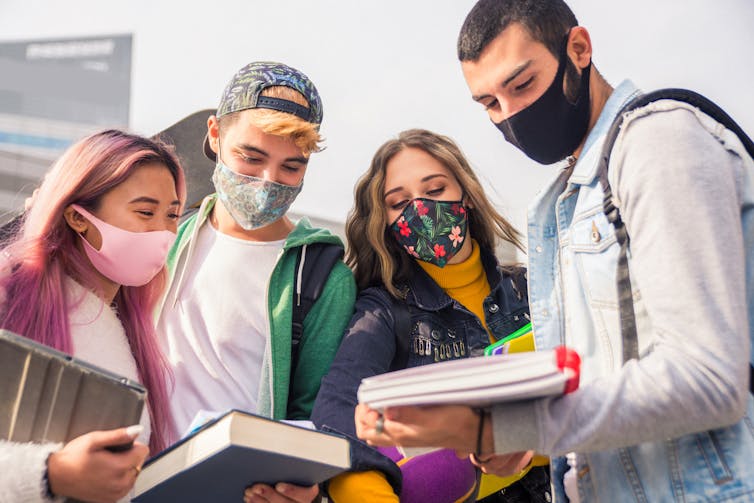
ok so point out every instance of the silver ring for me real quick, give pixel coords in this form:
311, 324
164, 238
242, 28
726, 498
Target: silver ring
379, 426
479, 461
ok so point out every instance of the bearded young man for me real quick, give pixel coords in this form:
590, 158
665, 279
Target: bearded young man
674, 424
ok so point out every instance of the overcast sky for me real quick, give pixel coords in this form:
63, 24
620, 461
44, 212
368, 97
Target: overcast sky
385, 66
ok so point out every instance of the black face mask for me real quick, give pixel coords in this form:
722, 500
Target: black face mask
551, 128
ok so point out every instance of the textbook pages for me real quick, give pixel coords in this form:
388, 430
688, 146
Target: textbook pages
478, 381
217, 462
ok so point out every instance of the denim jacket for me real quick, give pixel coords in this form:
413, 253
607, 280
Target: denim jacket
441, 329
676, 425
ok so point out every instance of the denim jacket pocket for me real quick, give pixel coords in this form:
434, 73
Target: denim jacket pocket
435, 340
503, 325
595, 257
718, 462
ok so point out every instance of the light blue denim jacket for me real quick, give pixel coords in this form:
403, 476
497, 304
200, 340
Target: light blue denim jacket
685, 187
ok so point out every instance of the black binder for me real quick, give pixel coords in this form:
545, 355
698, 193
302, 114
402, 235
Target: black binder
49, 396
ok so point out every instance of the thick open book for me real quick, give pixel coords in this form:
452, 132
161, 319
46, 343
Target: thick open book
218, 461
478, 381
49, 396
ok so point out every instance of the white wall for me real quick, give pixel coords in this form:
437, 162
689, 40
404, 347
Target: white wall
385, 66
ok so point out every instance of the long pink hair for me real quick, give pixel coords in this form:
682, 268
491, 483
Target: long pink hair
46, 251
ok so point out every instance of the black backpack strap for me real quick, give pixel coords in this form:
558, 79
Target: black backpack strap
313, 265
520, 286
623, 280
402, 316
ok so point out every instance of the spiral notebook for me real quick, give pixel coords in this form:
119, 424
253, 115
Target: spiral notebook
49, 396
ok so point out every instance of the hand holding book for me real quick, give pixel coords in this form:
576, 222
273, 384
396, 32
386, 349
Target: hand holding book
419, 403
479, 381
240, 450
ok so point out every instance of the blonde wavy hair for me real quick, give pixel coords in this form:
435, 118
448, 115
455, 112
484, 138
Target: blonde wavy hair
373, 253
305, 134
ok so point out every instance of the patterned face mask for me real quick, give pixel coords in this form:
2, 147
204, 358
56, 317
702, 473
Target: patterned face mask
431, 230
251, 201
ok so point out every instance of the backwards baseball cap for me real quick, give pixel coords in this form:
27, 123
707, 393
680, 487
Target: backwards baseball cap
245, 88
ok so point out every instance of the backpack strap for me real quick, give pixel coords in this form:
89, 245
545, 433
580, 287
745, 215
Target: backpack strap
313, 266
623, 280
520, 287
402, 316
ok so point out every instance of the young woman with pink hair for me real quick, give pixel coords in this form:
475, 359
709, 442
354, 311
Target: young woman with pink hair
83, 276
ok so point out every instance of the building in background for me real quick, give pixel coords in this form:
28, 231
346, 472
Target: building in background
52, 93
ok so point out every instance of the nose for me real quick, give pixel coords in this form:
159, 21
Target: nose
506, 107
504, 110
496, 116
270, 174
162, 224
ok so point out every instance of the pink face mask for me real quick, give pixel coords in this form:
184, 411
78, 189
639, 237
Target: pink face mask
125, 257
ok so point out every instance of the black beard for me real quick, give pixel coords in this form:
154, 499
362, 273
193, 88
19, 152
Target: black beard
572, 81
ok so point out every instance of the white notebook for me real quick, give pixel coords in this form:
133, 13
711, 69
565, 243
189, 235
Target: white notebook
478, 381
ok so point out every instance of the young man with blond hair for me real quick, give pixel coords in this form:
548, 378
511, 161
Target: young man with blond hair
226, 322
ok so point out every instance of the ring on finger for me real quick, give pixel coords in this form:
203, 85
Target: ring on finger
480, 461
379, 426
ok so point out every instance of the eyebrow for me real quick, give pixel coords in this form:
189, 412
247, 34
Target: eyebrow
515, 73
252, 148
423, 180
151, 200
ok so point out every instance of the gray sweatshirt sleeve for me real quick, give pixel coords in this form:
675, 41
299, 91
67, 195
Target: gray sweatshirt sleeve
679, 190
23, 467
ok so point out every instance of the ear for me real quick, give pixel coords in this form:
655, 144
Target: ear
213, 133
580, 46
75, 220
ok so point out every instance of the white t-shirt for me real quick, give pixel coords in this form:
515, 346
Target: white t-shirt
216, 333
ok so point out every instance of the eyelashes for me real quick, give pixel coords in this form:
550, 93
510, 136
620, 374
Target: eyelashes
431, 193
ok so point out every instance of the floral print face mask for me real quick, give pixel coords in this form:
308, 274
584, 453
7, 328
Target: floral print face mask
431, 230
251, 201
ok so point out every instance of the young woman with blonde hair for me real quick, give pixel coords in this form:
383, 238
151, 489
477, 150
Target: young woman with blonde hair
422, 240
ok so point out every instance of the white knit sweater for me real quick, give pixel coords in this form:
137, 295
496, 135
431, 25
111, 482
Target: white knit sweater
99, 338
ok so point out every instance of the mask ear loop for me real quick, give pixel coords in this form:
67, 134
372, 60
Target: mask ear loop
219, 148
465, 200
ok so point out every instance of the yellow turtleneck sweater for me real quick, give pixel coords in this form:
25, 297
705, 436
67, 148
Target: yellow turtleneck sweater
465, 282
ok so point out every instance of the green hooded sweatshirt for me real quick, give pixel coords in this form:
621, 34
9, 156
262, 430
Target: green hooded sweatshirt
323, 326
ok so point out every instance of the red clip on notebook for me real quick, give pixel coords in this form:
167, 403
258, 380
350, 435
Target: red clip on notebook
568, 358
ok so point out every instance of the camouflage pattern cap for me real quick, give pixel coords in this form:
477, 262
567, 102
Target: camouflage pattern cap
243, 91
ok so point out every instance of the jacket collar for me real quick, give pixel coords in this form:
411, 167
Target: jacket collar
585, 170
427, 295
